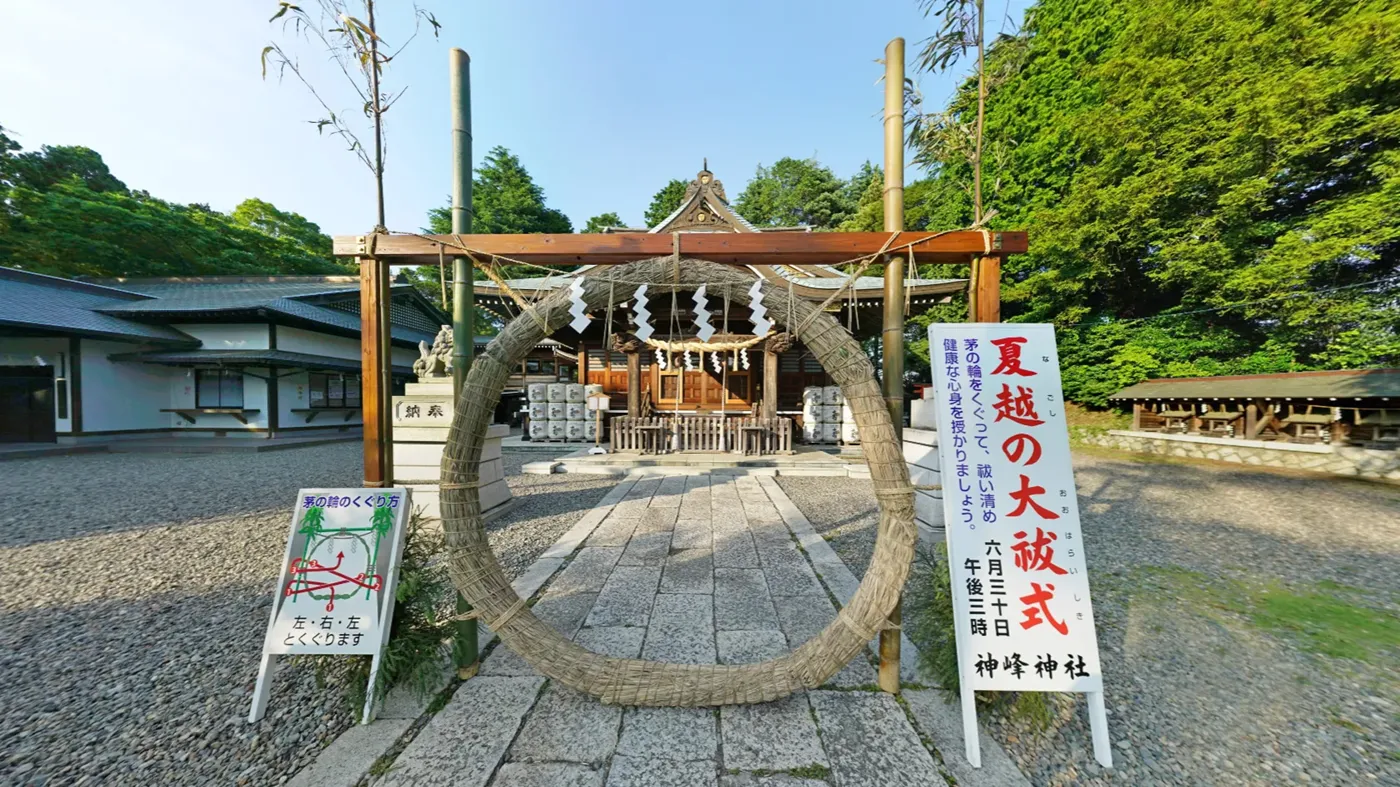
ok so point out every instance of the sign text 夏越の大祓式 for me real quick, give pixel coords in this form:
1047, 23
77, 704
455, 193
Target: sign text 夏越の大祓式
1015, 548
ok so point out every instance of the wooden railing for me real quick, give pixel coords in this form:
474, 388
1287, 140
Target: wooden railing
713, 433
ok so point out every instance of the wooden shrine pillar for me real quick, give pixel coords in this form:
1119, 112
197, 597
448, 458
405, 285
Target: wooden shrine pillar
984, 292
582, 350
772, 351
1137, 416
631, 347
375, 371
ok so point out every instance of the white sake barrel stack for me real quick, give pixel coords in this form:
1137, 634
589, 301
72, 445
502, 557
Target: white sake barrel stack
538, 392
831, 433
539, 429
539, 411
831, 414
850, 435
556, 392
831, 394
575, 411
557, 411
590, 430
812, 413
558, 430
574, 430
573, 392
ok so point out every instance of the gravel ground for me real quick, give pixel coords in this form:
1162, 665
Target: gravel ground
129, 645
1201, 688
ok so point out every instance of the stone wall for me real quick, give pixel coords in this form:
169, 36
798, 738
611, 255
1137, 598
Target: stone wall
1335, 459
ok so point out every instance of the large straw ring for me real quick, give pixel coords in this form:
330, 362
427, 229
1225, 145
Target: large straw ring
478, 576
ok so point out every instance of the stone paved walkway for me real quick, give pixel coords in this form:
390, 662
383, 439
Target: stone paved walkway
694, 569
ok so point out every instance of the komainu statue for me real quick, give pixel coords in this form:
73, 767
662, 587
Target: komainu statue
437, 360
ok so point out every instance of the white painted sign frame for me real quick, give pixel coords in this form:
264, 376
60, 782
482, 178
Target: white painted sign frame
269, 665
1042, 338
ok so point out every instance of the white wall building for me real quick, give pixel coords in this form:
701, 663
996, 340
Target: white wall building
257, 357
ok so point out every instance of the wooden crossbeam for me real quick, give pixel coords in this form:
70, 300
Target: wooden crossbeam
750, 248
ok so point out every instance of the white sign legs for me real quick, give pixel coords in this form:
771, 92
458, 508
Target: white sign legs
1098, 726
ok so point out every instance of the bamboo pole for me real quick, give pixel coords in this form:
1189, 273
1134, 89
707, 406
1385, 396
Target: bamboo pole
465, 650
893, 333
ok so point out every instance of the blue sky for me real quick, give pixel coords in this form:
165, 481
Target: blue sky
603, 101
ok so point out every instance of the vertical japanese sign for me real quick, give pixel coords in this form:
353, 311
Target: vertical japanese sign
1015, 550
335, 594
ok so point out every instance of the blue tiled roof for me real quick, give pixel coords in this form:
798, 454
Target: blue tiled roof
34, 301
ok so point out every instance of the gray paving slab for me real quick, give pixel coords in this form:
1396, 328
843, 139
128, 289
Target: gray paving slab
464, 742
643, 772
567, 726
504, 661
941, 721
669, 733
772, 736
647, 549
620, 642
349, 757
692, 534
405, 701
803, 617
574, 537
688, 571
787, 571
614, 531
682, 630
742, 601
587, 572
626, 597
734, 547
548, 774
564, 611
631, 508
771, 533
750, 647
851, 720
654, 519
769, 780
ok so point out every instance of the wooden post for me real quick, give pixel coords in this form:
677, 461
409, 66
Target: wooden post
770, 381
634, 384
1251, 420
988, 272
582, 350
374, 396
1137, 416
893, 329
464, 646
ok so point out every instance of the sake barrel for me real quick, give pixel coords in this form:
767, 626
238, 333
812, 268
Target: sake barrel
537, 392
850, 435
539, 411
590, 429
831, 433
831, 413
831, 394
812, 394
573, 430
575, 411
558, 430
573, 392
556, 392
558, 411
539, 429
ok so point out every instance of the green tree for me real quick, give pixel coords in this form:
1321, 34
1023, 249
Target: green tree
266, 218
41, 169
505, 201
795, 192
1210, 186
601, 221
664, 203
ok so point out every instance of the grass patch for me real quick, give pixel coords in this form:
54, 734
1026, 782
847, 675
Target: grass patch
381, 765
1326, 618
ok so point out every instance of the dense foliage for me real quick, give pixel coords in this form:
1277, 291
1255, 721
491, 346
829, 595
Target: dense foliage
664, 203
602, 221
1210, 187
63, 213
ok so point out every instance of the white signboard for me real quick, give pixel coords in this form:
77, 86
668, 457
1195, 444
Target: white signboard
335, 595
1015, 549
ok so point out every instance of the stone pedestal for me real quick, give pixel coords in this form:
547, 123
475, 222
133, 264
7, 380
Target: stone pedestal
421, 420
921, 454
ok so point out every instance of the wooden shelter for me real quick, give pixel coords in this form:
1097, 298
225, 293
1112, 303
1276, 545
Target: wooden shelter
1360, 406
